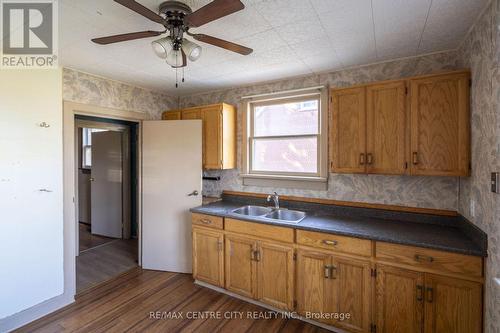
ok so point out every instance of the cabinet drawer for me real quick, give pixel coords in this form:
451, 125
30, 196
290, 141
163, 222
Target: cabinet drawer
351, 245
440, 261
260, 230
207, 220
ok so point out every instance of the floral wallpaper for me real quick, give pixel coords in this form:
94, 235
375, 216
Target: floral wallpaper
88, 89
480, 52
431, 192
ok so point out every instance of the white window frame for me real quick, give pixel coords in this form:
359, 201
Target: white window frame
315, 181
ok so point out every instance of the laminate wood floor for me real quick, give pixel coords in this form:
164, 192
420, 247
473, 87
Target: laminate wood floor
124, 304
87, 240
104, 262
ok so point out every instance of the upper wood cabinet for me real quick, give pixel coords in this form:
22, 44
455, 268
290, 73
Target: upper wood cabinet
385, 128
171, 115
368, 129
191, 114
219, 133
348, 130
440, 125
418, 126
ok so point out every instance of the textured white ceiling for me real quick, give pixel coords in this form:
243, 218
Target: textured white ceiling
289, 38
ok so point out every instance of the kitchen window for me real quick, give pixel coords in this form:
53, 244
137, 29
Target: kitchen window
286, 141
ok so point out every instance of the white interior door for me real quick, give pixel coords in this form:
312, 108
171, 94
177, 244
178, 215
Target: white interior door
106, 185
171, 171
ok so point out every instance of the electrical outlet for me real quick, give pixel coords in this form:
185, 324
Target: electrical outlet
495, 182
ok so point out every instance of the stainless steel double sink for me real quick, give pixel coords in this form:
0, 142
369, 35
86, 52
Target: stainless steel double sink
268, 213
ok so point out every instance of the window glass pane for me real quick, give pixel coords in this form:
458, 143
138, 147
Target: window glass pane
286, 119
285, 155
87, 156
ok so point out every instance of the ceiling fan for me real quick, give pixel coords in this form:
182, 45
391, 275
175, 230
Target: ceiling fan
178, 18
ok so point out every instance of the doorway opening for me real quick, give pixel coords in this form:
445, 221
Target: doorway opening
106, 173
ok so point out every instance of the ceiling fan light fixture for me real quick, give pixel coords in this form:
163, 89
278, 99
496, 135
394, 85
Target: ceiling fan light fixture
191, 49
162, 47
174, 58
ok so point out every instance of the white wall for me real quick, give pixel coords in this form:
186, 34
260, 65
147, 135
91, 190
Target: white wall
31, 237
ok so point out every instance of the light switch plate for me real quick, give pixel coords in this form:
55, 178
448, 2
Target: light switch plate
495, 182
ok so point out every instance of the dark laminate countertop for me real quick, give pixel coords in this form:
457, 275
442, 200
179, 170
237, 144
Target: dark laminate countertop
429, 231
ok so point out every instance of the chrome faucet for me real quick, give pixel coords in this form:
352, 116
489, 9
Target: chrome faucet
276, 198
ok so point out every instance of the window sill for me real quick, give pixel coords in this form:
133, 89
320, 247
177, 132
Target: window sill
306, 183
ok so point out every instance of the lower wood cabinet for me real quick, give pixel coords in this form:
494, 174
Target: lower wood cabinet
325, 277
399, 300
452, 305
241, 277
260, 270
409, 301
275, 274
208, 256
332, 284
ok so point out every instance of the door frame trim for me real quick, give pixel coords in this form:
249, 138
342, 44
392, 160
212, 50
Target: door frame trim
70, 110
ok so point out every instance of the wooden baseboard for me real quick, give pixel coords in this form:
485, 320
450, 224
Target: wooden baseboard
407, 209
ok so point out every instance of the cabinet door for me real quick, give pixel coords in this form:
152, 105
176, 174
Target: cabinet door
348, 131
385, 128
208, 256
353, 290
171, 115
191, 114
275, 272
399, 300
452, 305
212, 145
440, 125
314, 292
240, 266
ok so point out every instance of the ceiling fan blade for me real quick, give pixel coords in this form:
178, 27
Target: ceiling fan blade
213, 11
125, 37
140, 9
223, 43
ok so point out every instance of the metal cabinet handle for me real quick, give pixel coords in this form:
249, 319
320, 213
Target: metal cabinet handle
44, 125
194, 193
369, 158
415, 158
44, 190
205, 221
327, 271
92, 179
329, 242
219, 246
420, 258
333, 272
361, 159
430, 294
255, 255
420, 293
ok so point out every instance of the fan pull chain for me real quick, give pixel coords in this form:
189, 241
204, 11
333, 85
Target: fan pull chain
176, 79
